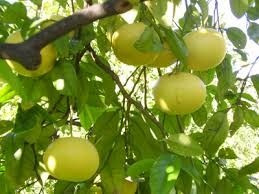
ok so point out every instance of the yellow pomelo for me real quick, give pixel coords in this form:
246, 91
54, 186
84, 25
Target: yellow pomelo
123, 41
206, 47
165, 58
128, 187
71, 159
48, 57
179, 93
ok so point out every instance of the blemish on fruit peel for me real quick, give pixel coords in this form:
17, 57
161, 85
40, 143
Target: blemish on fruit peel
52, 163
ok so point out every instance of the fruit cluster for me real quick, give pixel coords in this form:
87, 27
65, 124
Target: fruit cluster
179, 93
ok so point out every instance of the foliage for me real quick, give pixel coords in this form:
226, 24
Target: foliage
83, 95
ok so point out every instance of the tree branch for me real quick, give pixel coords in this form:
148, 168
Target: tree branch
138, 105
28, 52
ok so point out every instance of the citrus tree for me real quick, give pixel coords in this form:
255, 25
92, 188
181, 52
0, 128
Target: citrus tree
128, 96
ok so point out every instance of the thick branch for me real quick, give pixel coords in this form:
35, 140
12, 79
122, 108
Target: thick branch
28, 52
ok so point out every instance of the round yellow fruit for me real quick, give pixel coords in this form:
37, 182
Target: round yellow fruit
48, 58
123, 41
206, 47
179, 93
164, 59
128, 187
71, 159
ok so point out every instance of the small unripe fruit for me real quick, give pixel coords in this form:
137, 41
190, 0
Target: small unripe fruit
179, 93
206, 49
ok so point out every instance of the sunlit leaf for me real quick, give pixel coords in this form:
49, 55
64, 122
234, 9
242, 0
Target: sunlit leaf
164, 174
184, 145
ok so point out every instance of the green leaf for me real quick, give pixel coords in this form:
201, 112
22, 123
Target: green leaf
212, 174
158, 8
204, 9
20, 13
227, 153
253, 31
184, 145
215, 132
194, 168
80, 3
5, 126
251, 168
164, 174
6, 93
37, 2
206, 76
28, 124
238, 7
149, 41
251, 117
177, 2
248, 97
14, 81
140, 167
88, 115
226, 77
200, 116
64, 78
62, 187
142, 142
224, 186
176, 44
238, 120
253, 13
242, 54
242, 181
106, 130
184, 182
255, 80
203, 188
237, 37
19, 160
63, 3
113, 173
5, 186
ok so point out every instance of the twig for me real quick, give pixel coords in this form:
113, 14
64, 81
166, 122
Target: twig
136, 82
36, 165
245, 80
145, 87
27, 185
127, 80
